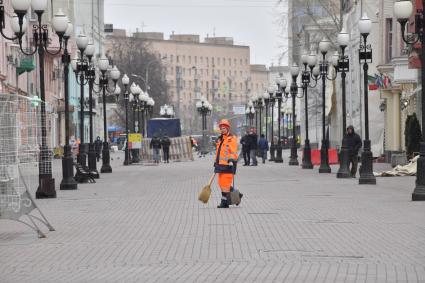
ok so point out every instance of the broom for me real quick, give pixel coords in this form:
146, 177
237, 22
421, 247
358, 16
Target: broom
204, 194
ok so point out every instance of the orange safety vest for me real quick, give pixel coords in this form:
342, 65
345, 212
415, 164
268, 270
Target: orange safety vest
227, 151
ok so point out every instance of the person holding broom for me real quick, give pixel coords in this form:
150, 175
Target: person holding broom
225, 162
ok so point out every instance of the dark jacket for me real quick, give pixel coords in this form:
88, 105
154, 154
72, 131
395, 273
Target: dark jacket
155, 143
97, 145
263, 144
245, 143
353, 141
165, 143
252, 141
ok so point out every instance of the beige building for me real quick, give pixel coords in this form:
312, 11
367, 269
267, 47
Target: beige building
215, 69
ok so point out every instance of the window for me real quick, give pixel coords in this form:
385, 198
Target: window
240, 86
206, 85
190, 84
224, 72
190, 59
230, 61
196, 60
202, 60
246, 61
206, 60
240, 62
212, 61
190, 71
171, 58
224, 61
235, 61
184, 59
177, 59
389, 40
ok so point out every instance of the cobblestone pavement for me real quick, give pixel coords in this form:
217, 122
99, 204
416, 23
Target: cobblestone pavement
145, 224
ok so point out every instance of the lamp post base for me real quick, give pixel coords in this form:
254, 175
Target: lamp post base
135, 156
92, 161
419, 192
278, 158
82, 154
293, 161
68, 182
127, 160
344, 169
306, 164
106, 166
46, 187
366, 169
272, 152
324, 159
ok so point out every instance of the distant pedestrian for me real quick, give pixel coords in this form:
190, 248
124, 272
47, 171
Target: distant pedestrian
354, 143
245, 149
253, 144
165, 143
98, 147
263, 147
156, 146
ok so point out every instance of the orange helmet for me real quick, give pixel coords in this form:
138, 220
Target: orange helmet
224, 123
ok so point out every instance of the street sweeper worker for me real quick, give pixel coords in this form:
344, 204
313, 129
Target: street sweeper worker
225, 161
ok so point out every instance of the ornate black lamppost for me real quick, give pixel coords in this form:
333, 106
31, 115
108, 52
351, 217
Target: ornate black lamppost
250, 113
343, 66
365, 57
125, 82
83, 73
324, 46
311, 71
46, 185
68, 182
204, 109
258, 106
114, 75
272, 104
278, 96
403, 10
266, 100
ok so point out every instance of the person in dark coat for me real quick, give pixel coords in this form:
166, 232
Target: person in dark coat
98, 147
245, 149
263, 146
253, 144
165, 143
354, 144
156, 146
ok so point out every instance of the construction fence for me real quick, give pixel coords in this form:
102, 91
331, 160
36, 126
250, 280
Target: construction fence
180, 150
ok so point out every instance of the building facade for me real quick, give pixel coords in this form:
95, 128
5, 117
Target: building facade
215, 68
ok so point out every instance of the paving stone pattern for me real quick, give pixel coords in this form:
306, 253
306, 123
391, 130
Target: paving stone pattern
145, 224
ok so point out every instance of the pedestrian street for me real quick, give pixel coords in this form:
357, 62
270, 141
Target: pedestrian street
144, 223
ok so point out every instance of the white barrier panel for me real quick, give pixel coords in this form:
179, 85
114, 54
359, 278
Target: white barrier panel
180, 150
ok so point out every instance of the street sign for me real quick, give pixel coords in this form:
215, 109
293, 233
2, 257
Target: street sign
238, 109
134, 141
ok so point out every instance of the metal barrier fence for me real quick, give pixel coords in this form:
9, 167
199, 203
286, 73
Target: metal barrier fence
180, 150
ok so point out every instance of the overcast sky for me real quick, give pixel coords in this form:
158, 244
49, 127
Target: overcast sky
249, 22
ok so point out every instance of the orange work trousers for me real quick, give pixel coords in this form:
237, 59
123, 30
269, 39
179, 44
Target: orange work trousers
225, 181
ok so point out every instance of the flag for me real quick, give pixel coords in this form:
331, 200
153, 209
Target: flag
372, 83
387, 81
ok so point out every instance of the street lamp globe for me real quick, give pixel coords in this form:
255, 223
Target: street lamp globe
162, 112
210, 107
287, 89
316, 71
304, 57
403, 9
295, 70
266, 95
365, 25
82, 42
143, 96
312, 60
277, 80
250, 104
131, 97
343, 38
324, 45
103, 63
198, 104
252, 110
90, 49
59, 22
117, 91
115, 74
133, 87
334, 59
125, 80
283, 83
271, 89
69, 30
21, 6
15, 25
39, 5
